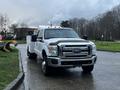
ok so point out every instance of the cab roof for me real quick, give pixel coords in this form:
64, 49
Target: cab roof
51, 27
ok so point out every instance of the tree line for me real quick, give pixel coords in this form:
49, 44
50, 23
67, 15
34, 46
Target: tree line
102, 27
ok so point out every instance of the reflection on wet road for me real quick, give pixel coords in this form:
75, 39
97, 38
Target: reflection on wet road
106, 75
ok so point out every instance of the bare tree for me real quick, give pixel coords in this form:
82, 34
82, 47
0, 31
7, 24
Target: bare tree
4, 23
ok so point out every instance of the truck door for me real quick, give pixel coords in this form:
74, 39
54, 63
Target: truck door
39, 42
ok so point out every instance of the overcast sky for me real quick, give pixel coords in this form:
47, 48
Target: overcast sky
36, 12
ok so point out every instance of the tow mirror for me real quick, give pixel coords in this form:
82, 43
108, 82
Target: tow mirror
85, 37
34, 38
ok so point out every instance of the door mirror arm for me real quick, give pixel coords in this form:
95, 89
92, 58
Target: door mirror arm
40, 39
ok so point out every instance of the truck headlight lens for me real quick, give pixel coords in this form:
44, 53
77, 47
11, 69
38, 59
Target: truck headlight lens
93, 49
52, 50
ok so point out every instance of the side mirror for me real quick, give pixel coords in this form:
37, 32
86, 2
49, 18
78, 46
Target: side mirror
34, 38
85, 37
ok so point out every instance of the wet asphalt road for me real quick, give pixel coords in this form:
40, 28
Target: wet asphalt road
106, 75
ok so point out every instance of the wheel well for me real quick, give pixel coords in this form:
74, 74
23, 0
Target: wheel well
28, 48
44, 53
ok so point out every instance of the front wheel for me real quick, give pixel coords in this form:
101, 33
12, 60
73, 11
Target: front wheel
45, 68
88, 69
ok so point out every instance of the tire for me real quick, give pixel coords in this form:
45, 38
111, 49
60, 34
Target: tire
88, 69
45, 68
31, 55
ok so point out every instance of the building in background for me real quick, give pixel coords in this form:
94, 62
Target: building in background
21, 32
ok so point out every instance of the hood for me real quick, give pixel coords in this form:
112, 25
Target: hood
55, 41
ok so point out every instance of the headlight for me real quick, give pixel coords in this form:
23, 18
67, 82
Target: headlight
93, 49
52, 50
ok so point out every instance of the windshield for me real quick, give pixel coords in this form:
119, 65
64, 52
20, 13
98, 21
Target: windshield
60, 33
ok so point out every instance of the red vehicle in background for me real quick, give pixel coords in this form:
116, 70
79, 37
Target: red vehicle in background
1, 37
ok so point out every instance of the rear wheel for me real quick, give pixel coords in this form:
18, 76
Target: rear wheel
31, 55
88, 69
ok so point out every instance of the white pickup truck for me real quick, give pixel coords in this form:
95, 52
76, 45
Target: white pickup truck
61, 47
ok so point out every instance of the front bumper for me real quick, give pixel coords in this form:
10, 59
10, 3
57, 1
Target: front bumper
59, 62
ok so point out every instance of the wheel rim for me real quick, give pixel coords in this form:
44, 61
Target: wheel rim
44, 67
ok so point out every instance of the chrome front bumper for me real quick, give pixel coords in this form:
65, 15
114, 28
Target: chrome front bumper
59, 62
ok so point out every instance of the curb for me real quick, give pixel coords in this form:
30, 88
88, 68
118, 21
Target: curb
16, 82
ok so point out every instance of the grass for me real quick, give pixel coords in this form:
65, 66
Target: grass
18, 41
108, 46
9, 67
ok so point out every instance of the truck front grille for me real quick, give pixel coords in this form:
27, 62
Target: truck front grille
75, 51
